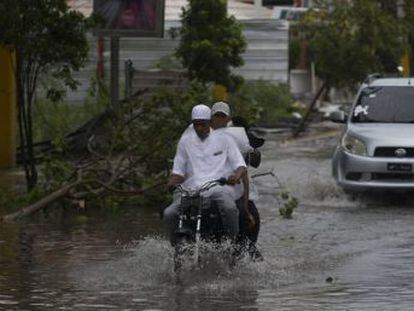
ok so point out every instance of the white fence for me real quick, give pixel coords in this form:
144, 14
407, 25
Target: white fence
266, 56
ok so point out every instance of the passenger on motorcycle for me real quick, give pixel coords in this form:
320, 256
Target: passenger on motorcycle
203, 155
246, 193
221, 122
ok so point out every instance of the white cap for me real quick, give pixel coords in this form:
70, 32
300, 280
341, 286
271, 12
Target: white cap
201, 112
220, 107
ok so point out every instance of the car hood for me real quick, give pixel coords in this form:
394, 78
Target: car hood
383, 134
383, 130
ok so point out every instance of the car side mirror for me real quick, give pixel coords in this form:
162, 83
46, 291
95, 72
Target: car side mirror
338, 117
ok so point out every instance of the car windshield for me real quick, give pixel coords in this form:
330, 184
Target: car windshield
385, 104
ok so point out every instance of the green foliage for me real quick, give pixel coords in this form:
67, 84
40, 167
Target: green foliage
289, 204
350, 39
54, 120
146, 129
168, 62
211, 43
55, 171
263, 102
12, 201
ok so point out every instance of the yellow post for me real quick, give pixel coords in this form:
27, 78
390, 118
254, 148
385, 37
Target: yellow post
7, 110
405, 63
220, 92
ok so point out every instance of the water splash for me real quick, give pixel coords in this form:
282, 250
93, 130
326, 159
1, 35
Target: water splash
149, 263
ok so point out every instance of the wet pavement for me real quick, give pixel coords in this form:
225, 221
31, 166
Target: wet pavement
336, 253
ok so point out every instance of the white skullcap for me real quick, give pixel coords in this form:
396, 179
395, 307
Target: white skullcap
201, 112
220, 107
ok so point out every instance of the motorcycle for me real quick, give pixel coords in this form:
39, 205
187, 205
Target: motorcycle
200, 220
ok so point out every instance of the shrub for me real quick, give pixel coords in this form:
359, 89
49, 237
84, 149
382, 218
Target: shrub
263, 102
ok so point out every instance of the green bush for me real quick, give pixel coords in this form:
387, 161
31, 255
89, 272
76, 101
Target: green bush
262, 102
168, 62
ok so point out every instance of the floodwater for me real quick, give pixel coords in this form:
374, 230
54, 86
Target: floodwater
336, 253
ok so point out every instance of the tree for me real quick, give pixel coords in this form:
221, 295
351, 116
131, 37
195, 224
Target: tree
349, 39
211, 43
48, 38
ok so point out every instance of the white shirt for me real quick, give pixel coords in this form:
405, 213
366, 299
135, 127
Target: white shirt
200, 161
238, 134
240, 137
188, 130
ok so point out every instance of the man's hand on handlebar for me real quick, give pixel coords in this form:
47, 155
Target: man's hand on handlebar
235, 178
232, 180
174, 181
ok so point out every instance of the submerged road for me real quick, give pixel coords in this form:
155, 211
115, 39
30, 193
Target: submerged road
336, 253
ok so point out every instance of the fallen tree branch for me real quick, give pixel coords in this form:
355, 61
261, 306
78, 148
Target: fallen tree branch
131, 192
64, 191
42, 203
301, 127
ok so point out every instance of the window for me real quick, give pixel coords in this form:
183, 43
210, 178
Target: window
385, 104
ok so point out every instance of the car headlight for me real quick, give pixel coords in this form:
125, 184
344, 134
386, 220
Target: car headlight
354, 145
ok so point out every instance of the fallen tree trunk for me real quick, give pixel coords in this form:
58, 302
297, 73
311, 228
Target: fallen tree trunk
65, 191
42, 203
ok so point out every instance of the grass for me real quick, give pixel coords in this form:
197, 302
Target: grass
52, 120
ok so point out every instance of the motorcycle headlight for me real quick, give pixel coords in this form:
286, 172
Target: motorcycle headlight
354, 145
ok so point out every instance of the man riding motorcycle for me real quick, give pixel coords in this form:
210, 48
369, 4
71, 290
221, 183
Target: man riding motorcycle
204, 155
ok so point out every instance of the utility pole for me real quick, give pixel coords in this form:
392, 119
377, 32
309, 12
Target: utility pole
114, 87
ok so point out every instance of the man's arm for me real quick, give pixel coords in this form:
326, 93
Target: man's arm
246, 194
245, 179
236, 176
179, 167
236, 161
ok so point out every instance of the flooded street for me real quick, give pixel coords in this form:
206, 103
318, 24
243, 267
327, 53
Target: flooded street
337, 253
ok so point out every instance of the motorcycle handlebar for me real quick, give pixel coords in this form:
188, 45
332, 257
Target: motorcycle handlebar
206, 186
222, 181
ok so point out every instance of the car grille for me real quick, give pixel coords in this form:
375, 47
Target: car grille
389, 152
353, 176
390, 177
401, 177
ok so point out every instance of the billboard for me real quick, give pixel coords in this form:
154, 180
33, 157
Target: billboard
130, 18
277, 2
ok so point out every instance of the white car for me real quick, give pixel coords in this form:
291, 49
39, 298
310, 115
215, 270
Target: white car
376, 151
